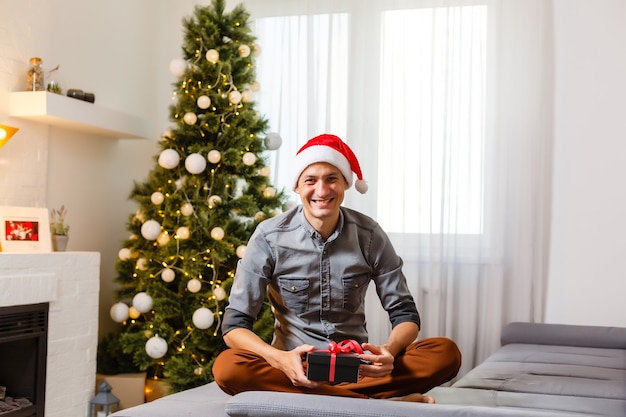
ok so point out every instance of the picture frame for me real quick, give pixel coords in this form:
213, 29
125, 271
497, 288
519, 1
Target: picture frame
25, 230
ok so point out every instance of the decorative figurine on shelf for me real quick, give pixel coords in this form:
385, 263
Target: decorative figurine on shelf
35, 79
58, 229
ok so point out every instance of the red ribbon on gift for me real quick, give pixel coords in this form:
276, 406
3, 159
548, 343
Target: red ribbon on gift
334, 348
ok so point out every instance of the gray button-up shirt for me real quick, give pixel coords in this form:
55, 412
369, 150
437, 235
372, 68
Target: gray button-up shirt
317, 287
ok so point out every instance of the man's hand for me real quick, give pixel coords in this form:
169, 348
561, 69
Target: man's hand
291, 364
381, 359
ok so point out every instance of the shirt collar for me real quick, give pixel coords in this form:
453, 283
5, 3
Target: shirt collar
310, 230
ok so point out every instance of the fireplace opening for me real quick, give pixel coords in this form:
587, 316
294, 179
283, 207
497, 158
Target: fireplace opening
23, 352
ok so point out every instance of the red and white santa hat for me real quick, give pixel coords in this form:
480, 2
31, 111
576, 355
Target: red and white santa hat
330, 149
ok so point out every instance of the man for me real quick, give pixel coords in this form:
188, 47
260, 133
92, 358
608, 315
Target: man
315, 263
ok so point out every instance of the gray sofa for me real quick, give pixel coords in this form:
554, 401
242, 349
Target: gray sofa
540, 370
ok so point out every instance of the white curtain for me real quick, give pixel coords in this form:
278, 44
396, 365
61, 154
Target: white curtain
447, 105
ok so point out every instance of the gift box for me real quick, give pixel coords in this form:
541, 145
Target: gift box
332, 367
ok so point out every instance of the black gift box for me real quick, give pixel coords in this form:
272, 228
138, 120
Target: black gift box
346, 367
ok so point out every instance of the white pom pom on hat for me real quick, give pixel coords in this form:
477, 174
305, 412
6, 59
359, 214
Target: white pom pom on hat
332, 150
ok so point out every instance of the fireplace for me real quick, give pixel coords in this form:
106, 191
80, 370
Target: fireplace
23, 352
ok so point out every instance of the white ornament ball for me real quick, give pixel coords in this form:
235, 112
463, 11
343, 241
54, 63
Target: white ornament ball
195, 163
119, 312
265, 171
273, 141
255, 86
178, 67
217, 233
133, 313
186, 209
163, 239
256, 50
203, 102
234, 97
150, 230
166, 135
241, 250
183, 232
124, 254
244, 51
168, 275
212, 56
169, 159
269, 192
214, 156
142, 264
249, 158
156, 347
247, 96
194, 285
214, 200
219, 293
202, 318
190, 118
142, 302
157, 198
198, 371
259, 216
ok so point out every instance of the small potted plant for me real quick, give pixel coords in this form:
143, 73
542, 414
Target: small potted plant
58, 229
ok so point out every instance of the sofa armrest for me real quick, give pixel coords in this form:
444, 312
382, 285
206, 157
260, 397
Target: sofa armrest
564, 335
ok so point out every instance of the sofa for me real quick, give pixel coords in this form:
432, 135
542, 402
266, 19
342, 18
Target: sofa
540, 370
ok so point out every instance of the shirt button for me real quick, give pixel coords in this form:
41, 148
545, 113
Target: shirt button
356, 285
293, 288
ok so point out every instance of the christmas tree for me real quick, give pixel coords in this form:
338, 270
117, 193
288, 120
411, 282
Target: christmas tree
200, 204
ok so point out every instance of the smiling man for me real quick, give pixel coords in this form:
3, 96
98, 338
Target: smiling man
315, 263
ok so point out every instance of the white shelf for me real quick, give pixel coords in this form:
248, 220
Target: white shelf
70, 113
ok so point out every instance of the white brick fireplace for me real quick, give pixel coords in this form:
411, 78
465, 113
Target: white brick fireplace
69, 281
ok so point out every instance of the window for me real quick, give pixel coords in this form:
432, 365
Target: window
432, 118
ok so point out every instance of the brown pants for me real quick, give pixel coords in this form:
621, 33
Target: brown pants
423, 365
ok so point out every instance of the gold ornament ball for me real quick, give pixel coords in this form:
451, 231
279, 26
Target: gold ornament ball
133, 313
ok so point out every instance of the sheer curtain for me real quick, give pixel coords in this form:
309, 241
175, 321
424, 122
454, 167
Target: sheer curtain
447, 104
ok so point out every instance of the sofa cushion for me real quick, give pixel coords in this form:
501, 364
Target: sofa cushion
281, 404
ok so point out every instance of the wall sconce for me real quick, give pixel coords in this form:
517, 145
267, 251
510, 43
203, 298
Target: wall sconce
6, 132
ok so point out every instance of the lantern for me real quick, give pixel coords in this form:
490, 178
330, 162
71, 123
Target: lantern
104, 403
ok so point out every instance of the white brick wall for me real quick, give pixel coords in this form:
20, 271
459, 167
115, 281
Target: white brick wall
69, 281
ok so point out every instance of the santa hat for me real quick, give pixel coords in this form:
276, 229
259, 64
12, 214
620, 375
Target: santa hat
332, 150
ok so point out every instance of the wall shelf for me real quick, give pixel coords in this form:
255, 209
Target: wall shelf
70, 113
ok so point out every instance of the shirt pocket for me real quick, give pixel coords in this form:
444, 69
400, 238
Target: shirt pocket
295, 293
354, 289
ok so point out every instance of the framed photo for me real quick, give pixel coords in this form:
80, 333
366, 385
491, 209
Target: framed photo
24, 229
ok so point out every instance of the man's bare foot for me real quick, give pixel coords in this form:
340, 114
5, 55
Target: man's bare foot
415, 398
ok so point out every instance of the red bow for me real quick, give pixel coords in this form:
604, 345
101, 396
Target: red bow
334, 348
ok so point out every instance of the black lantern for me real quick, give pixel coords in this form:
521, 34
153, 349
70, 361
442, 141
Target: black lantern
104, 403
